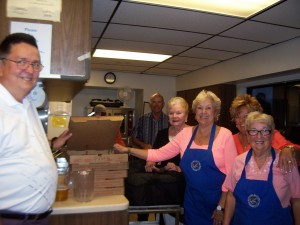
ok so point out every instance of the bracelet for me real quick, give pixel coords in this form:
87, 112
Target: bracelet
128, 150
290, 147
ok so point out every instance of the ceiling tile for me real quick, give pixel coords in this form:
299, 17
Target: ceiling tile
178, 66
171, 18
97, 29
154, 35
192, 61
124, 62
286, 14
232, 45
140, 47
209, 54
262, 32
103, 9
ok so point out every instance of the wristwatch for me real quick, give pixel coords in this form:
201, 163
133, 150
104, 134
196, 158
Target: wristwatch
219, 208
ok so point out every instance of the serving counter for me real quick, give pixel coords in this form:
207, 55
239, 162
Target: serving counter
105, 210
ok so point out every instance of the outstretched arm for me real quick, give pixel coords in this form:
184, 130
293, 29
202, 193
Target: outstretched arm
139, 153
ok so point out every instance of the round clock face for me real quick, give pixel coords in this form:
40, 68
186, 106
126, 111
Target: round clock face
110, 78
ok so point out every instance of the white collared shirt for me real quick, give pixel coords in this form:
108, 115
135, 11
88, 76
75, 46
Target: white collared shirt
28, 174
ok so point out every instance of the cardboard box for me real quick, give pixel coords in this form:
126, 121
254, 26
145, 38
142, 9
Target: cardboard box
93, 133
91, 147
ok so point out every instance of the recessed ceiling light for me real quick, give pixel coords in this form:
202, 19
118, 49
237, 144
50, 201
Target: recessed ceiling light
113, 54
239, 8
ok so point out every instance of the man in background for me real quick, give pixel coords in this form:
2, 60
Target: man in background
27, 168
145, 131
143, 136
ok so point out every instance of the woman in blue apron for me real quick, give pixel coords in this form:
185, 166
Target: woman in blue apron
203, 182
256, 201
204, 169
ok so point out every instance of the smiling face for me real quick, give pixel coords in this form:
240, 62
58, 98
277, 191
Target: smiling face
240, 118
156, 104
19, 82
177, 115
260, 142
205, 112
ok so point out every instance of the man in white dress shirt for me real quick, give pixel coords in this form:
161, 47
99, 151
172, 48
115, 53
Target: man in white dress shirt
28, 173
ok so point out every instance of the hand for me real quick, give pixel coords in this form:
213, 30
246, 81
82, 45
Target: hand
172, 167
150, 166
61, 140
121, 149
287, 160
218, 217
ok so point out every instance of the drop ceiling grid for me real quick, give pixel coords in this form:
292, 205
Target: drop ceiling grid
194, 38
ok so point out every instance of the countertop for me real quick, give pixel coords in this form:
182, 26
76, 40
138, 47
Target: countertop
98, 204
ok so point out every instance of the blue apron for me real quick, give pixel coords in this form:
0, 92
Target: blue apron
257, 202
203, 183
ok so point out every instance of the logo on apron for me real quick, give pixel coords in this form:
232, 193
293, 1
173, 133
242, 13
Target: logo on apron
195, 165
253, 200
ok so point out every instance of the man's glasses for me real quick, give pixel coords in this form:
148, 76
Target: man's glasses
24, 64
264, 132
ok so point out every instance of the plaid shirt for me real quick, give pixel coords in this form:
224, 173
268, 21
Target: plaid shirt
147, 127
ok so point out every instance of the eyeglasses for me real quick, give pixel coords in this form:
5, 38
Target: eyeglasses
264, 132
23, 64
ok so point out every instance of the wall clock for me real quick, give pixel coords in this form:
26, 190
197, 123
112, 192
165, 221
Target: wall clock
110, 78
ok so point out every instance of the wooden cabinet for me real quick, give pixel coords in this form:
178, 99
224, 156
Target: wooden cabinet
71, 38
110, 210
109, 218
226, 92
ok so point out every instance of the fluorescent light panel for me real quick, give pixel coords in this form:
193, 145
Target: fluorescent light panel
113, 54
239, 8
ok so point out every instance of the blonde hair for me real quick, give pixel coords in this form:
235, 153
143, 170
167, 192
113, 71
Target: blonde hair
178, 100
204, 94
246, 100
259, 117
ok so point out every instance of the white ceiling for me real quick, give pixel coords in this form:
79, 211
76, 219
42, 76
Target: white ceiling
195, 39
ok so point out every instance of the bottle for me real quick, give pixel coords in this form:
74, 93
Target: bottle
63, 179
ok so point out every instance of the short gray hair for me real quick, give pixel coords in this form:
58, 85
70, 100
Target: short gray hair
204, 94
259, 117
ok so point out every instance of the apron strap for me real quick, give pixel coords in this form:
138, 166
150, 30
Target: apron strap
211, 139
249, 154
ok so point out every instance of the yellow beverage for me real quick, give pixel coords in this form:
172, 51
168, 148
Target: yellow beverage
61, 194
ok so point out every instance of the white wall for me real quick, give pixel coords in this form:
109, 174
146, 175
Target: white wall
149, 84
282, 57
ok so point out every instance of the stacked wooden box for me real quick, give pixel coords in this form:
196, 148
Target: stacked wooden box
110, 169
